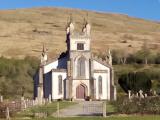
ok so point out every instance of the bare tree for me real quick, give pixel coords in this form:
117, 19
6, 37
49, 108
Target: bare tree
145, 51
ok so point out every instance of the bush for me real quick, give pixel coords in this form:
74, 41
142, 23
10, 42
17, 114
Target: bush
149, 105
135, 82
157, 59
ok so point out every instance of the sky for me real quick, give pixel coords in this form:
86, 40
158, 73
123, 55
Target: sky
146, 9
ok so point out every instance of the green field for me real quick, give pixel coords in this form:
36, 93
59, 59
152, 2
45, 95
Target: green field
138, 117
49, 109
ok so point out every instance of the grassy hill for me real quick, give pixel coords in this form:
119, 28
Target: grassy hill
24, 30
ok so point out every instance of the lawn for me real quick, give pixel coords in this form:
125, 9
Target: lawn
48, 109
138, 117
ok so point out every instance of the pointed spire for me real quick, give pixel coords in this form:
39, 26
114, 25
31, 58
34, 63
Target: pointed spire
87, 27
109, 57
70, 25
43, 49
44, 55
71, 18
87, 18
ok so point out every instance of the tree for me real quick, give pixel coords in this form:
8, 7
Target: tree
157, 59
135, 82
120, 56
145, 52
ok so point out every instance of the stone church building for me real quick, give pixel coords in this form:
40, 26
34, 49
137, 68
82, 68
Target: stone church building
77, 73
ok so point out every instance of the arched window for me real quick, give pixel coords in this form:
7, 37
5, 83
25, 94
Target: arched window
100, 84
60, 84
81, 67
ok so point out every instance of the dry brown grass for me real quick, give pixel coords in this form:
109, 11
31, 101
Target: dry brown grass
24, 30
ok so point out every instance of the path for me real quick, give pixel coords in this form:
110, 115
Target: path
83, 108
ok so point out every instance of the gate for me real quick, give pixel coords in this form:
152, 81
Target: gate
94, 108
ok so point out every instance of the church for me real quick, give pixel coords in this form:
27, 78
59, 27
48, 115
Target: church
77, 73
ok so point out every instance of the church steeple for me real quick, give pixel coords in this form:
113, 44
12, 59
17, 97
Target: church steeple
70, 25
44, 55
87, 27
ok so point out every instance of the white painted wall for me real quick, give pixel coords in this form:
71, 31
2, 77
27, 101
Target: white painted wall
55, 94
73, 43
78, 82
105, 86
105, 80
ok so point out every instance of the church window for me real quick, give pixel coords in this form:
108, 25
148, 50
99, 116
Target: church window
80, 46
60, 84
81, 67
100, 84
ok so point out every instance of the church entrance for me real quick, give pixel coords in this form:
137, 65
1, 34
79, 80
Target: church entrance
80, 92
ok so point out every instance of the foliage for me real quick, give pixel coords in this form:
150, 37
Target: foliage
149, 105
157, 59
135, 82
16, 76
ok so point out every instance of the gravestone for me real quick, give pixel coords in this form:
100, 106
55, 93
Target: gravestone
141, 94
129, 94
1, 98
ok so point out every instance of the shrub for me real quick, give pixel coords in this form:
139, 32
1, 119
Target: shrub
149, 105
157, 59
135, 82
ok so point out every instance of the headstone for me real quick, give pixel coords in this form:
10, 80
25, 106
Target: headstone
129, 94
137, 95
1, 98
50, 98
141, 94
145, 95
22, 98
154, 93
133, 96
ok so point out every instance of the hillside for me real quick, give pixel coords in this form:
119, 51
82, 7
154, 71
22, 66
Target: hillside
24, 30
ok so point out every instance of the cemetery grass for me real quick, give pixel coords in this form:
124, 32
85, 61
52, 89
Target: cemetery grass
49, 109
52, 107
115, 117
150, 117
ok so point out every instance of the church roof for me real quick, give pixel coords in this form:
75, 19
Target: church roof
51, 60
101, 61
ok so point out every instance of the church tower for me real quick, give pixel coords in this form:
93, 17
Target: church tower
79, 56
